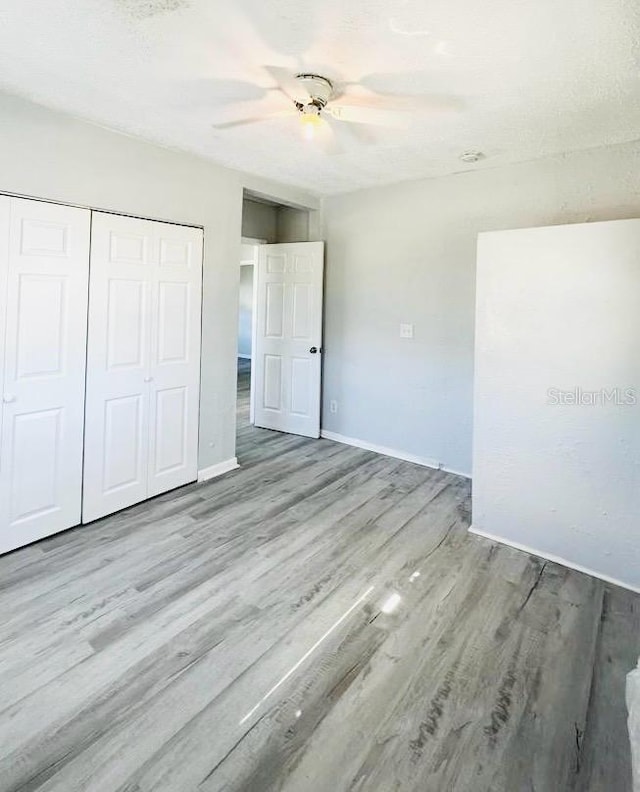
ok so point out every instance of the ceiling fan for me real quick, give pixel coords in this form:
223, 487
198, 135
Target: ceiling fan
310, 98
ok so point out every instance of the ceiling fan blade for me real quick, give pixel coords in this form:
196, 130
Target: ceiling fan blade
252, 120
404, 90
357, 114
355, 135
208, 90
437, 103
287, 83
326, 139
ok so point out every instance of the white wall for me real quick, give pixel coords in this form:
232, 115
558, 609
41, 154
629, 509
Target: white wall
556, 464
407, 253
245, 314
46, 154
293, 225
259, 221
274, 223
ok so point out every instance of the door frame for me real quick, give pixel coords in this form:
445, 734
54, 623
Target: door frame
254, 327
92, 208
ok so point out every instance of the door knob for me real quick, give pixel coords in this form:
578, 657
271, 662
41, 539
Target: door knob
8, 398
148, 379
314, 350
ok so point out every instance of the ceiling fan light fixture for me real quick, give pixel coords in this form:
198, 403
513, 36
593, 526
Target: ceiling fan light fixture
309, 119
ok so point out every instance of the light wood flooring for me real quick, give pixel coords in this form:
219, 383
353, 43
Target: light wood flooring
319, 620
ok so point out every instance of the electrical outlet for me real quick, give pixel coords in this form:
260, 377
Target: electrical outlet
406, 331
333, 406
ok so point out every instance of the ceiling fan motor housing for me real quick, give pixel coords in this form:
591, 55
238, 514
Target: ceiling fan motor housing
315, 92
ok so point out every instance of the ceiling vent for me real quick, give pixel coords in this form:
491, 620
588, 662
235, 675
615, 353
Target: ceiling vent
471, 156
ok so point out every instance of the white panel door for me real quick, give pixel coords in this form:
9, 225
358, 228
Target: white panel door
287, 371
44, 267
143, 361
118, 357
175, 358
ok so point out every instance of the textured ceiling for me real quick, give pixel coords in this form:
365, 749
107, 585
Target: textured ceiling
518, 79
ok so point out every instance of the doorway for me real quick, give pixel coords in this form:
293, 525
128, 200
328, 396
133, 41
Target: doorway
249, 251
282, 229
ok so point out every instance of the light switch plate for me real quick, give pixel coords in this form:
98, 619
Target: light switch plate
406, 331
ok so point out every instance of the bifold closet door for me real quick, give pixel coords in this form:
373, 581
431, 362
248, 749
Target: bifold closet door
143, 361
44, 269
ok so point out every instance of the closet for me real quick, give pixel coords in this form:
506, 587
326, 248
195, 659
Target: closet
143, 361
99, 364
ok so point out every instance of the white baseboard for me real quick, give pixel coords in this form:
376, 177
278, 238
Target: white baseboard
391, 452
217, 470
244, 357
554, 558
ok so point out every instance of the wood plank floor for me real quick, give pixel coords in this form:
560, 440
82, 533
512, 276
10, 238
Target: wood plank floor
319, 620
